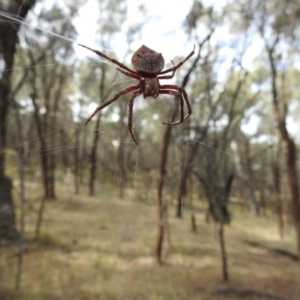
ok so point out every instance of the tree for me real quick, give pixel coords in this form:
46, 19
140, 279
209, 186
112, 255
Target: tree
277, 24
8, 44
215, 170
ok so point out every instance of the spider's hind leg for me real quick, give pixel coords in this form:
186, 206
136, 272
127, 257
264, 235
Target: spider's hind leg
114, 98
182, 95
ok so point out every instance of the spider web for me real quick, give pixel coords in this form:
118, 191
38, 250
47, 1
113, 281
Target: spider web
127, 248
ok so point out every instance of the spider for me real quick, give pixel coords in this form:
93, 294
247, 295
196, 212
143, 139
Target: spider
147, 65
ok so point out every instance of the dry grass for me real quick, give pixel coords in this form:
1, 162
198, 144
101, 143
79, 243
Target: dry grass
102, 248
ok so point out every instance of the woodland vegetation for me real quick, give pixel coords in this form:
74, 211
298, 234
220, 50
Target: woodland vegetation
230, 172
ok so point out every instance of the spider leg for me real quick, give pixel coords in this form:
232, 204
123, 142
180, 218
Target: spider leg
114, 61
181, 93
114, 98
177, 94
130, 114
168, 76
173, 69
129, 74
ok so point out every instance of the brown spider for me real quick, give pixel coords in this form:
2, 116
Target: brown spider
148, 66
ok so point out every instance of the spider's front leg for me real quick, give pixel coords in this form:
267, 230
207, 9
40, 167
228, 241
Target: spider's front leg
173, 69
129, 74
180, 92
114, 61
168, 76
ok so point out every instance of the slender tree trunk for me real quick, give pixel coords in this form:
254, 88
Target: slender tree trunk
51, 176
160, 204
76, 160
40, 218
291, 152
93, 157
43, 145
51, 159
53, 126
121, 165
22, 158
188, 165
223, 253
84, 157
278, 198
43, 154
65, 155
122, 175
291, 160
181, 193
22, 221
193, 223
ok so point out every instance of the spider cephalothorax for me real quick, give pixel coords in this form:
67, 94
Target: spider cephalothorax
148, 65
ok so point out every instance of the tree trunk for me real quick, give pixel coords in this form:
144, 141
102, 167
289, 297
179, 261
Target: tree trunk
278, 198
7, 214
76, 160
93, 157
181, 192
40, 218
121, 165
122, 174
160, 205
22, 158
291, 161
44, 152
223, 253
184, 173
193, 223
291, 152
8, 42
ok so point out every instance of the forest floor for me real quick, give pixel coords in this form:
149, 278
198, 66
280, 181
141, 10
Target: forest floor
102, 248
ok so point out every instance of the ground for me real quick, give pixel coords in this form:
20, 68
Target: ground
102, 248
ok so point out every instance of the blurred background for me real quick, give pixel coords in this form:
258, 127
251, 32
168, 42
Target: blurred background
208, 209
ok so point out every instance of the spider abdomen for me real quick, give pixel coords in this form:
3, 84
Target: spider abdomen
148, 61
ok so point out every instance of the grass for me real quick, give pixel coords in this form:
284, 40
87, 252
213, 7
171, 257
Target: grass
102, 248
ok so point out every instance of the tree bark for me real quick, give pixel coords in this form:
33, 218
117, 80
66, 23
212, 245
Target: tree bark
43, 144
193, 223
160, 205
22, 158
121, 165
76, 160
93, 157
223, 253
278, 198
8, 42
